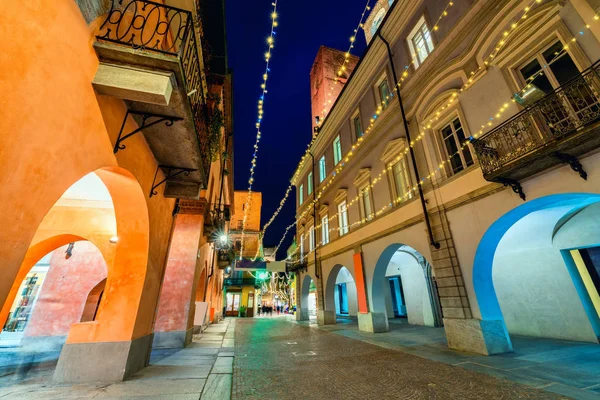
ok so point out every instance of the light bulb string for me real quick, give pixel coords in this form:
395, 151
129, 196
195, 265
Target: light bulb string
270, 45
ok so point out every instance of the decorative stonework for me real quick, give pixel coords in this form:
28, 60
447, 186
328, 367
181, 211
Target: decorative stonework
362, 177
393, 149
341, 195
196, 207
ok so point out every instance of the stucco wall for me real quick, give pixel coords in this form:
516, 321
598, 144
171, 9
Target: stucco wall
536, 293
416, 296
344, 276
65, 290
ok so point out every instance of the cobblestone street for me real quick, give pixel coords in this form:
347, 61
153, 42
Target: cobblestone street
281, 360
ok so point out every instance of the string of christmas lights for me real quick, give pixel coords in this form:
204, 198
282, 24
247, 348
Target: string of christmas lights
275, 214
339, 73
383, 102
503, 108
342, 67
422, 134
263, 86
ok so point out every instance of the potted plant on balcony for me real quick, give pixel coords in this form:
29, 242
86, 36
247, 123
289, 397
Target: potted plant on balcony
242, 311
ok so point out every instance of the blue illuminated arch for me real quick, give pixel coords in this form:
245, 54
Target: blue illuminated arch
484, 257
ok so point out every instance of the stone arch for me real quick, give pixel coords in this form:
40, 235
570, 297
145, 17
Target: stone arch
424, 298
303, 310
559, 208
119, 316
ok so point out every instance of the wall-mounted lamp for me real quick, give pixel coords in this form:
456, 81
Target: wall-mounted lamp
114, 239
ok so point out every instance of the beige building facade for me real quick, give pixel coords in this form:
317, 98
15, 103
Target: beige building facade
479, 210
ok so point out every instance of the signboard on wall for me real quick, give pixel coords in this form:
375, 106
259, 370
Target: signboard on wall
249, 265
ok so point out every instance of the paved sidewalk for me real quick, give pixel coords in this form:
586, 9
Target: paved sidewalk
203, 370
564, 367
280, 360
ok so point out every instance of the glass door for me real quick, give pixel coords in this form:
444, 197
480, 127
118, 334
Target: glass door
24, 303
343, 298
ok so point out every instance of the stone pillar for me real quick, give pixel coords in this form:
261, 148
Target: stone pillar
463, 332
174, 323
324, 317
301, 308
367, 321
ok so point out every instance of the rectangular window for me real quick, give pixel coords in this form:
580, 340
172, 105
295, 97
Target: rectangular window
302, 247
311, 238
401, 181
301, 194
358, 130
310, 183
420, 43
384, 92
322, 169
343, 218
337, 150
325, 229
453, 136
366, 203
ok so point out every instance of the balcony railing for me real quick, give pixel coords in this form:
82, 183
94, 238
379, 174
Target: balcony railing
154, 27
542, 127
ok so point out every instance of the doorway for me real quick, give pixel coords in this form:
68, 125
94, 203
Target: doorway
233, 304
398, 303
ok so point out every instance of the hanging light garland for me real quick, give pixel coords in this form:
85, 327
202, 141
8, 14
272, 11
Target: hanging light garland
342, 69
422, 134
263, 86
437, 114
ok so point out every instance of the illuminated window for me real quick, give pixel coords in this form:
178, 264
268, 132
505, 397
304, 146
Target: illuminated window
302, 247
383, 90
453, 136
367, 206
401, 181
420, 43
337, 150
322, 169
325, 229
343, 218
357, 125
310, 183
301, 194
311, 238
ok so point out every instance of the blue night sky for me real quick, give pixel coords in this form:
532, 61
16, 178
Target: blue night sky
286, 129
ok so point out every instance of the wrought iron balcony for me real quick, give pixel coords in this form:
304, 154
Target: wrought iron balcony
149, 57
240, 282
556, 129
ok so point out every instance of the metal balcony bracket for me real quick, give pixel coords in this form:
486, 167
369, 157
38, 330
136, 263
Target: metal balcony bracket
146, 123
515, 186
171, 173
573, 163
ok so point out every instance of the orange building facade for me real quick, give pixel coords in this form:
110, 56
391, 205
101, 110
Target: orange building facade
113, 148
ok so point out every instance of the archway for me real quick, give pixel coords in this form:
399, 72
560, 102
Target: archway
340, 292
308, 299
533, 270
403, 287
118, 225
52, 297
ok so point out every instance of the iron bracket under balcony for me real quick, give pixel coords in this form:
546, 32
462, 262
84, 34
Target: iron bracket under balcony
148, 56
557, 129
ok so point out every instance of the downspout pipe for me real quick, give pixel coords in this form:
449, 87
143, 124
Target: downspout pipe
432, 241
